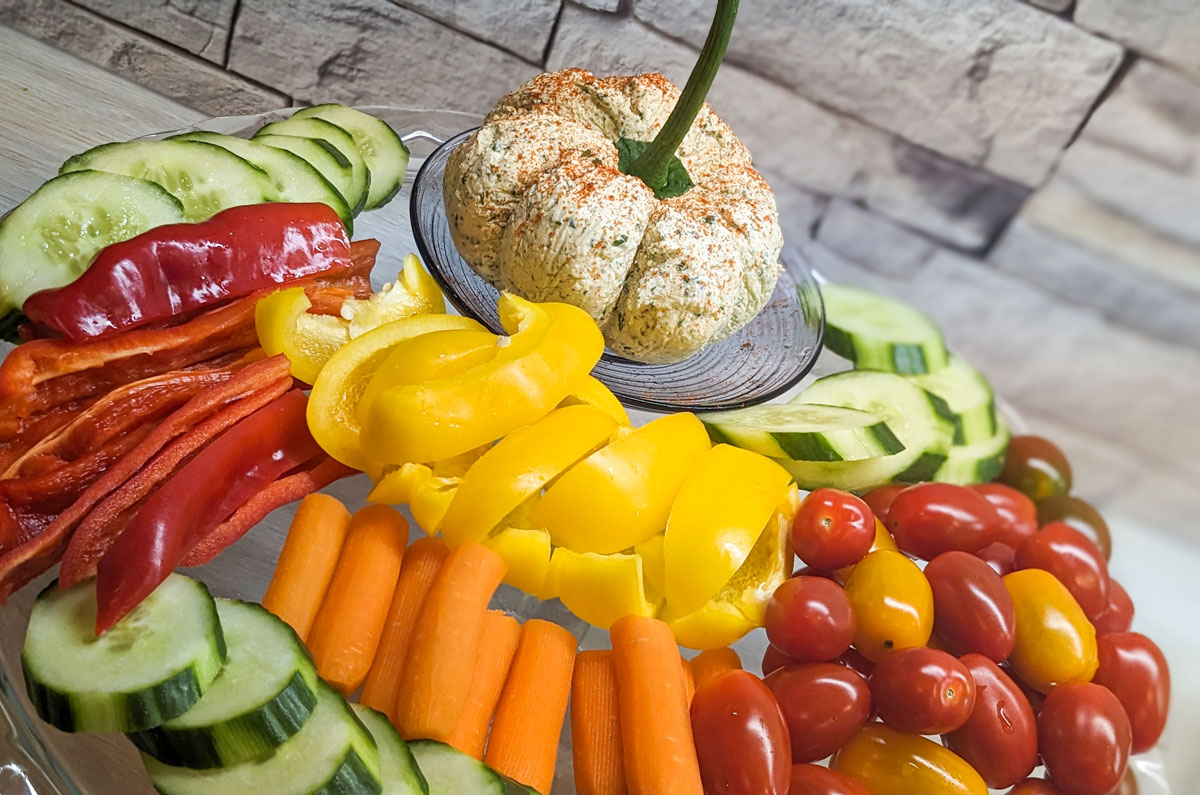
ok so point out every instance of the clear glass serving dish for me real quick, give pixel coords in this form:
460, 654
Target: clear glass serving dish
38, 759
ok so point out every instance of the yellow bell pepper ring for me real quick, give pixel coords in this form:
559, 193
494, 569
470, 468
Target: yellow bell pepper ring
599, 588
1055, 642
717, 517
519, 466
550, 349
413, 293
713, 626
591, 391
622, 494
527, 553
333, 403
285, 326
653, 565
427, 495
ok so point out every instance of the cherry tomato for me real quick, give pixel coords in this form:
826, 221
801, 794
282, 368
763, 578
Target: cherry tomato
823, 704
1080, 515
809, 571
853, 659
892, 602
810, 779
773, 659
893, 763
999, 739
972, 611
1085, 738
1001, 557
1035, 699
880, 499
832, 529
922, 691
1018, 514
1117, 616
809, 619
1035, 786
1055, 643
742, 741
931, 518
1036, 467
1071, 557
883, 540
1135, 670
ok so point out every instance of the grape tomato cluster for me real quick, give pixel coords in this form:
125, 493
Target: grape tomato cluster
947, 639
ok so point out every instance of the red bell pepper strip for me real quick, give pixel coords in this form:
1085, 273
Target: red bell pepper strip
199, 496
176, 269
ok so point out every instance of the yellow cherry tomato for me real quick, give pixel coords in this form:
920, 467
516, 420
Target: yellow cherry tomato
622, 494
889, 762
599, 588
892, 603
1055, 642
591, 391
883, 540
527, 553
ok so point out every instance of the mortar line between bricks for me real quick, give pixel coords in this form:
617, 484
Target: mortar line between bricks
1128, 59
233, 20
473, 36
553, 34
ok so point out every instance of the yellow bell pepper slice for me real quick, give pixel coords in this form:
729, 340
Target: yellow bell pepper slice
285, 326
333, 403
713, 626
653, 565
551, 348
519, 466
413, 293
599, 588
591, 391
427, 495
716, 519
527, 553
622, 494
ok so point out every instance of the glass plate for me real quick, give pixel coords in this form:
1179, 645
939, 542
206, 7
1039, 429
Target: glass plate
761, 361
38, 759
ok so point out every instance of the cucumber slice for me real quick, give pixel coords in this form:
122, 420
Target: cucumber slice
385, 154
205, 178
912, 414
975, 463
332, 754
53, 235
451, 772
322, 156
967, 396
804, 432
265, 693
320, 130
880, 333
401, 775
152, 666
293, 177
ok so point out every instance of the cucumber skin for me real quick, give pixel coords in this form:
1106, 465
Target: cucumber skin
903, 358
353, 777
413, 779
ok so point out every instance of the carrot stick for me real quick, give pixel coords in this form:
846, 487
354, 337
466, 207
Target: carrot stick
307, 561
656, 730
346, 631
529, 718
595, 726
496, 649
436, 679
707, 665
422, 562
689, 682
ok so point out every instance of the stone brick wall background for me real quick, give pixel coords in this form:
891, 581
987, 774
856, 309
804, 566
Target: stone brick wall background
1029, 172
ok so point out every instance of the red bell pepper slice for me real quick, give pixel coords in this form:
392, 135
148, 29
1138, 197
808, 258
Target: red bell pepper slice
176, 269
203, 493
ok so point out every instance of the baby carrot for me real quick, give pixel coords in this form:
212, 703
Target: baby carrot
595, 727
421, 564
306, 561
496, 649
656, 730
346, 631
436, 678
523, 744
707, 665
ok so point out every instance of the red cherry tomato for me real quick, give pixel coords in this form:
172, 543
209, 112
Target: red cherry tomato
1035, 786
1135, 670
742, 741
832, 529
922, 691
931, 518
1035, 698
1018, 514
999, 739
1084, 737
1079, 514
880, 499
853, 658
812, 779
1071, 557
1117, 616
809, 571
1001, 557
1036, 467
972, 610
809, 619
823, 704
773, 659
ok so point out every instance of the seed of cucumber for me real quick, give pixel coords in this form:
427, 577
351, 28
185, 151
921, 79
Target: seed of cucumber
880, 333
320, 130
385, 154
